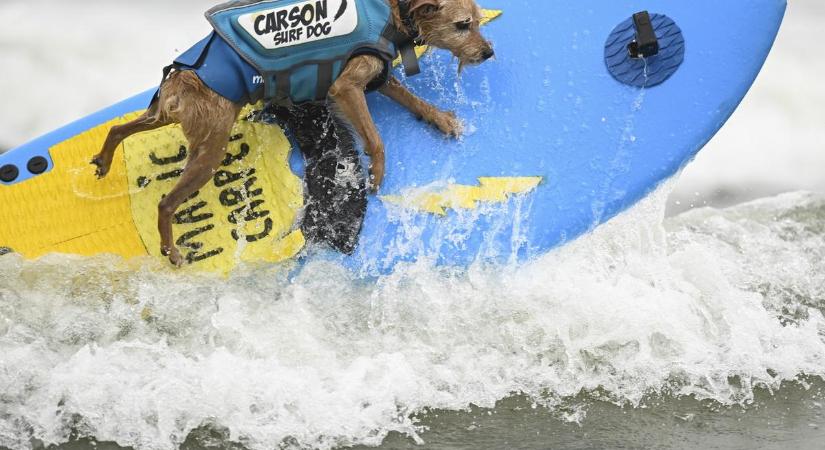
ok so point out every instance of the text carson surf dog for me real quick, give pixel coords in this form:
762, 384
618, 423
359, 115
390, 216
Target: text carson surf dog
290, 25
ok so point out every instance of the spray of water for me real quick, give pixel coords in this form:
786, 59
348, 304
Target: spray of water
710, 303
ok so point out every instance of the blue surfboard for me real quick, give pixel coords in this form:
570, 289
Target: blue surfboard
563, 131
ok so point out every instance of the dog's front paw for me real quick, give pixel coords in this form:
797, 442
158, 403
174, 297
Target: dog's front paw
376, 175
448, 123
174, 255
103, 165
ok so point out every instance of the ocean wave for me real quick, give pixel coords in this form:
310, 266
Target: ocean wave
709, 304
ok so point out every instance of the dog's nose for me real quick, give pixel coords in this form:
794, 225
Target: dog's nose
489, 53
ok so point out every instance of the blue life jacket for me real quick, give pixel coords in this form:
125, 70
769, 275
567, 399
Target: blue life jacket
292, 51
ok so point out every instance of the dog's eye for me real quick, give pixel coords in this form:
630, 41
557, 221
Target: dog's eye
463, 25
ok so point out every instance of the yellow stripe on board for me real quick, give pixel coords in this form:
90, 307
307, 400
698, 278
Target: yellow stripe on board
437, 200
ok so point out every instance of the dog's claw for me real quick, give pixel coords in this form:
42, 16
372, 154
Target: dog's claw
374, 185
102, 168
376, 173
176, 259
174, 255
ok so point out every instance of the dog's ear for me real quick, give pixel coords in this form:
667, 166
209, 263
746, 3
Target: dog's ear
425, 7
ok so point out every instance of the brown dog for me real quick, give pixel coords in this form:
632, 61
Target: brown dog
207, 119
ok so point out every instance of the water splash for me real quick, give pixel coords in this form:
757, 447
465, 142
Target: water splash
710, 303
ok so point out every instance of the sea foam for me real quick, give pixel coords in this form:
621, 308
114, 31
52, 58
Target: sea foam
711, 303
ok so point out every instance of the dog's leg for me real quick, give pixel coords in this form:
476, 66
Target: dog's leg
207, 120
207, 155
150, 120
347, 93
445, 121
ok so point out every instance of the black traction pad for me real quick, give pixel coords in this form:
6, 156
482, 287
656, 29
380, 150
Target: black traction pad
335, 182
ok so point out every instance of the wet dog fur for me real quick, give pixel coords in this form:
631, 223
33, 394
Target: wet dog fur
207, 119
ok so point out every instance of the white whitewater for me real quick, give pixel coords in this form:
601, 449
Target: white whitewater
711, 303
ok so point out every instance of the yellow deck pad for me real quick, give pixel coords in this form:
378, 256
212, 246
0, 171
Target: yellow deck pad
245, 213
68, 210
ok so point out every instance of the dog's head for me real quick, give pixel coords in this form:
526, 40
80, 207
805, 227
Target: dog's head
453, 25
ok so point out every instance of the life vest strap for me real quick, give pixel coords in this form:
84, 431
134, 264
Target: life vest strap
324, 80
410, 60
405, 45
